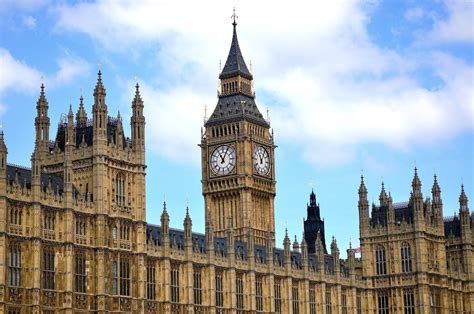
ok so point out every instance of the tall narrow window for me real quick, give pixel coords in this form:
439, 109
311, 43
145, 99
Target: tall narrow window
150, 282
120, 190
175, 284
408, 301
124, 277
219, 292
295, 298
239, 290
328, 302
80, 272
344, 301
14, 265
277, 287
259, 294
197, 286
312, 300
358, 302
49, 221
115, 277
380, 260
48, 268
80, 226
435, 302
382, 302
15, 216
406, 258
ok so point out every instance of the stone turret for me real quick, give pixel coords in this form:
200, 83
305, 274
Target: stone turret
99, 110
3, 179
165, 230
137, 122
335, 255
42, 124
296, 245
81, 115
286, 248
416, 199
437, 204
363, 206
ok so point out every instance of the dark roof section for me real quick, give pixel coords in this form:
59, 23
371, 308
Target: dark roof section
23, 175
235, 63
236, 107
403, 212
86, 132
452, 225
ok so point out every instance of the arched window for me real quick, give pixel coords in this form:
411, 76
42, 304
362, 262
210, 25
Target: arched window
406, 258
380, 260
120, 190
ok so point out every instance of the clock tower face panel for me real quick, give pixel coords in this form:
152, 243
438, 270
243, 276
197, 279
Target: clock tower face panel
261, 160
222, 160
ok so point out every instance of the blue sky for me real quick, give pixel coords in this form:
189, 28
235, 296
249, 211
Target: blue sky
350, 85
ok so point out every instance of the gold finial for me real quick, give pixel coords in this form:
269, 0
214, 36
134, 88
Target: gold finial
251, 66
234, 17
268, 114
220, 65
80, 91
311, 184
98, 65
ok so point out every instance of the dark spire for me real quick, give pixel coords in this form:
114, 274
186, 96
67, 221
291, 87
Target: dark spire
312, 198
235, 63
236, 97
313, 224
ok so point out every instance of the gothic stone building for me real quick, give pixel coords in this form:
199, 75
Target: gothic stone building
74, 236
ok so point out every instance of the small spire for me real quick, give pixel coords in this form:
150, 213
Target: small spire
362, 188
234, 17
463, 199
416, 183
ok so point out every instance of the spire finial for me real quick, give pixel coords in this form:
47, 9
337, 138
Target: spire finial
234, 17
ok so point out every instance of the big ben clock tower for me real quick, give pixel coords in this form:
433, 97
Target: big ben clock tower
238, 172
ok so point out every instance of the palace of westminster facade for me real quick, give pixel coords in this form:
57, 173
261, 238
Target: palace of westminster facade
74, 236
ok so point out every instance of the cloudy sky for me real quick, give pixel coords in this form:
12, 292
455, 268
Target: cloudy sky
351, 86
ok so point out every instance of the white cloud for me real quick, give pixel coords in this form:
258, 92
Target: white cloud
15, 74
333, 87
459, 26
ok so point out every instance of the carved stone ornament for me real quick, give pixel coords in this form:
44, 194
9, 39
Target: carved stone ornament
16, 295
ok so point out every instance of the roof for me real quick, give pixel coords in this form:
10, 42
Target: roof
23, 175
236, 107
87, 132
452, 225
403, 212
235, 63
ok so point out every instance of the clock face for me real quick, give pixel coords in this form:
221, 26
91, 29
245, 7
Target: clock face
223, 160
261, 160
